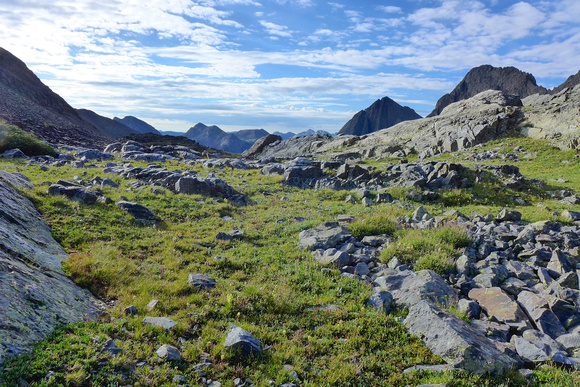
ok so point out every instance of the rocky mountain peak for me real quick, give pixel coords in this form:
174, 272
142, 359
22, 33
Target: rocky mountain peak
382, 114
509, 80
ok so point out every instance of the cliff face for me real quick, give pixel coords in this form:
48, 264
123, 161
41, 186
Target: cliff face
31, 105
509, 80
382, 114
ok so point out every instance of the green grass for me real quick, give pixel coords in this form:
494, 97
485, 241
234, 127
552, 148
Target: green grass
12, 137
265, 284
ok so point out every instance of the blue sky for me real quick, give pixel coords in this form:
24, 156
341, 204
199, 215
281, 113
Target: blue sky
287, 65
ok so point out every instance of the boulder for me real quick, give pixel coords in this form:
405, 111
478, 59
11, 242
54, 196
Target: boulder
382, 301
409, 288
204, 186
324, 236
200, 281
139, 211
495, 302
78, 194
459, 344
243, 340
160, 322
168, 352
13, 154
260, 145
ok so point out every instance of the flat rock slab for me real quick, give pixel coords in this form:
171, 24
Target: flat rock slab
498, 304
243, 340
161, 322
409, 288
324, 236
459, 344
201, 281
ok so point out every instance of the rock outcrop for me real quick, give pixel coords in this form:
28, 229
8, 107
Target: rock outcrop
509, 80
382, 114
35, 295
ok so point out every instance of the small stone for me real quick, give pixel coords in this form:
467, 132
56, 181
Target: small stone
179, 379
168, 352
242, 339
131, 310
161, 322
151, 305
201, 281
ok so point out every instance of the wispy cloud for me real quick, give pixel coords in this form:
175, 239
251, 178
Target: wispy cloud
276, 29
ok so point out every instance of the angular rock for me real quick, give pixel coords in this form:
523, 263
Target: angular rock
409, 288
572, 215
498, 304
506, 215
78, 194
470, 308
324, 236
455, 341
139, 211
204, 186
243, 340
168, 352
528, 351
382, 301
200, 281
559, 263
160, 322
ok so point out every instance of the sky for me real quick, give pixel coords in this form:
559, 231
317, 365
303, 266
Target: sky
280, 65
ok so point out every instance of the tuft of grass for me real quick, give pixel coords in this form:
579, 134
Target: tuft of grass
436, 250
12, 137
375, 224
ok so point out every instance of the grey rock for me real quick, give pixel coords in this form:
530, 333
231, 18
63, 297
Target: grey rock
200, 281
13, 154
571, 342
78, 194
323, 236
131, 310
409, 288
335, 258
572, 215
160, 322
543, 341
109, 183
204, 186
151, 305
470, 308
382, 301
139, 211
261, 144
455, 341
498, 304
528, 351
506, 215
179, 379
168, 352
35, 295
243, 340
559, 263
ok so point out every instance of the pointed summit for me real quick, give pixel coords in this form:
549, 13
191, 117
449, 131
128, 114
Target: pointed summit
382, 114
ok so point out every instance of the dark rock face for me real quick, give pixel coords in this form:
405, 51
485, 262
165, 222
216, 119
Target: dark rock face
572, 81
35, 295
510, 80
29, 104
136, 124
380, 115
251, 135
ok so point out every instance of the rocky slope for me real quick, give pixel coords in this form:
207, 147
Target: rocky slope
29, 104
111, 128
510, 80
382, 114
136, 124
251, 135
35, 295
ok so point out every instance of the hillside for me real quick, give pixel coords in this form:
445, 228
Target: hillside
109, 127
382, 114
509, 80
29, 104
251, 135
214, 137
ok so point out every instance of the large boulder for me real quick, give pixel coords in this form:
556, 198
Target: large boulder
496, 303
139, 211
78, 194
35, 295
204, 186
261, 144
409, 288
458, 343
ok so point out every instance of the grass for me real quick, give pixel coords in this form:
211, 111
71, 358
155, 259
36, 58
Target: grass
265, 284
12, 137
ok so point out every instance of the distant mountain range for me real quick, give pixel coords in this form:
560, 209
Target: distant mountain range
29, 104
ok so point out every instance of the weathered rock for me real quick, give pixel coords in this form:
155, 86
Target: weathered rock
160, 322
559, 263
528, 351
78, 194
323, 236
382, 301
139, 211
498, 304
455, 341
261, 144
409, 288
572, 215
334, 258
200, 281
506, 215
470, 308
204, 186
35, 295
243, 340
168, 352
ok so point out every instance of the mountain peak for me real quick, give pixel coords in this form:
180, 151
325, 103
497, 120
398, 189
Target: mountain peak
510, 80
383, 113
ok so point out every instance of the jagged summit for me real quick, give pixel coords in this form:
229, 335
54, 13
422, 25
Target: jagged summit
31, 105
509, 80
382, 114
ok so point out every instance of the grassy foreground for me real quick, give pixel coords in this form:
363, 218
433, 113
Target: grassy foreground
265, 283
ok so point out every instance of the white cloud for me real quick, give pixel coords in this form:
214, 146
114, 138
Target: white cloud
390, 9
276, 29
